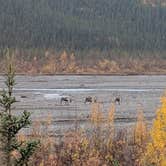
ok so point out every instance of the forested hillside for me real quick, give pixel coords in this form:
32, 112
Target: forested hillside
82, 24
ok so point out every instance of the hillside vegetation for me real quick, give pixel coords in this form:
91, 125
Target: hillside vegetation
85, 24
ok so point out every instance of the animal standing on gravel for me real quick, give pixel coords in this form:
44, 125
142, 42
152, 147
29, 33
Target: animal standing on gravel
23, 96
89, 99
65, 100
117, 100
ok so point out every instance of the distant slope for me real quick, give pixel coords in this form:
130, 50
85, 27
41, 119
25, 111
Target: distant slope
82, 24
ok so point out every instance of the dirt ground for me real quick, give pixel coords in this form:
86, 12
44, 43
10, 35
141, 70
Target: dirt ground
41, 95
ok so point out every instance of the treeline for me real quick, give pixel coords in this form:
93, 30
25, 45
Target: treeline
76, 25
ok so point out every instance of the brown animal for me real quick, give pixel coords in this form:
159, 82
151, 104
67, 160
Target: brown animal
117, 100
89, 99
65, 100
23, 96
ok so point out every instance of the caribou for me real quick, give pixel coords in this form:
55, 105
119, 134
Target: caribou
65, 100
117, 100
89, 99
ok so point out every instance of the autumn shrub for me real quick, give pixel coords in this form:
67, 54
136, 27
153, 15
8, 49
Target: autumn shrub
50, 66
100, 145
140, 130
72, 66
50, 61
155, 153
45, 154
103, 144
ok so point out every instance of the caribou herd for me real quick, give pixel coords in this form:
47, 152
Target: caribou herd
89, 99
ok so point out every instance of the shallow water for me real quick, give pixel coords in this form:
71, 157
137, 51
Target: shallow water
76, 90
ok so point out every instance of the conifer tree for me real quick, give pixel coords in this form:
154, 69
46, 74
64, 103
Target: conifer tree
10, 125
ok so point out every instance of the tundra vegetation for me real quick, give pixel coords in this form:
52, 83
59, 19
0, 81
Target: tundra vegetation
49, 61
101, 145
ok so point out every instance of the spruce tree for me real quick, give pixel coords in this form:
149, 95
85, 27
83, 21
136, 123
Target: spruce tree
10, 125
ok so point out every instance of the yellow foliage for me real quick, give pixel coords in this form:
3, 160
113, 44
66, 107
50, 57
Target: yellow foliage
15, 154
110, 123
111, 114
104, 64
108, 65
76, 147
140, 133
72, 66
96, 114
156, 149
42, 163
64, 60
50, 66
21, 137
